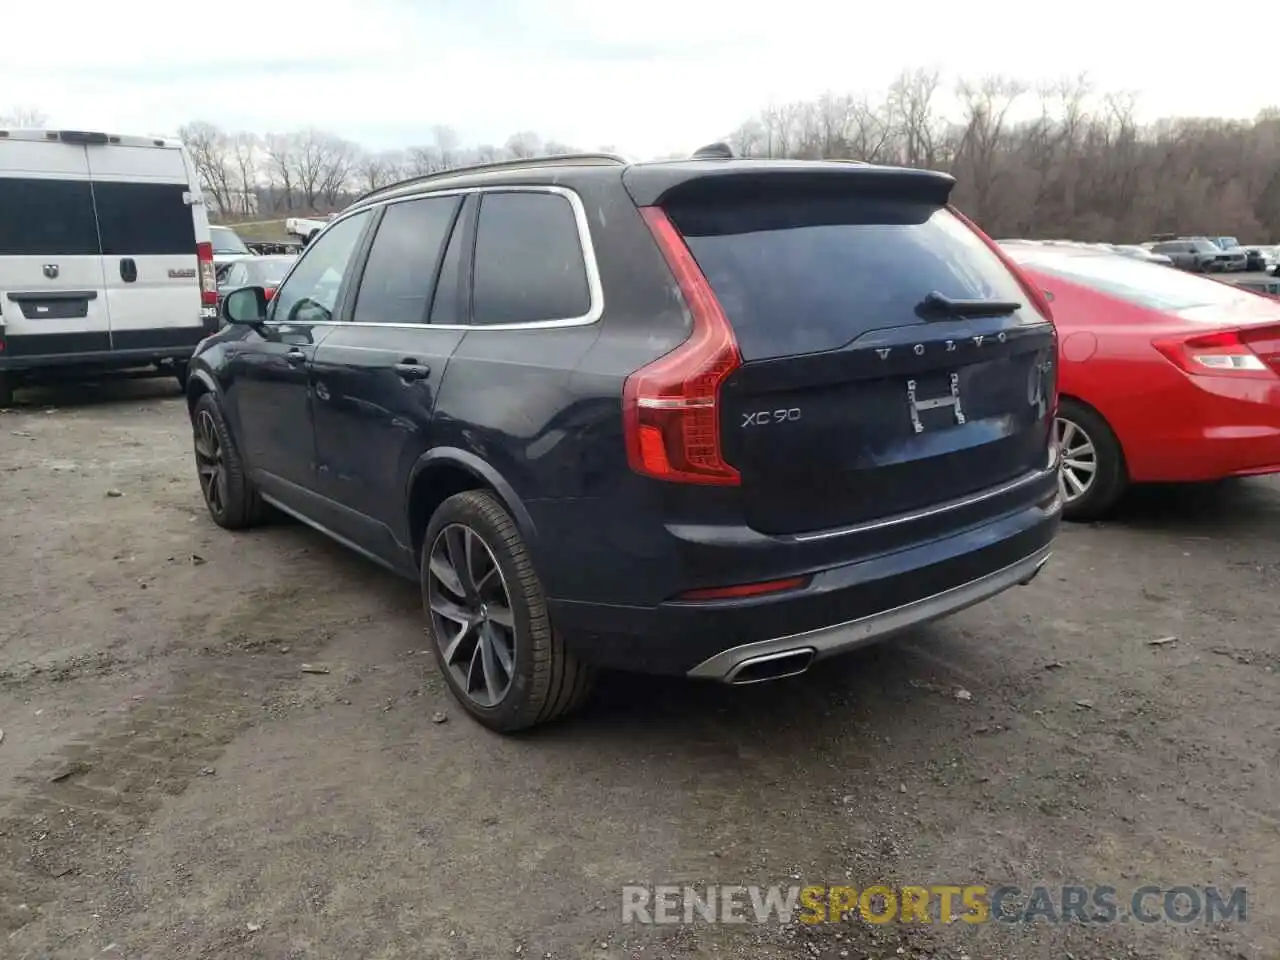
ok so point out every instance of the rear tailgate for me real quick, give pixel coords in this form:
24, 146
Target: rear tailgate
862, 394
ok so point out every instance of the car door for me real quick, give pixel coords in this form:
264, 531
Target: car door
147, 226
269, 379
52, 304
376, 378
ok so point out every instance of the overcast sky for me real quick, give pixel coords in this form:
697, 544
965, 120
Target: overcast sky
646, 76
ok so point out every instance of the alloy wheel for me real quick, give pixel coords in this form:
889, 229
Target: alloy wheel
471, 615
1079, 460
210, 463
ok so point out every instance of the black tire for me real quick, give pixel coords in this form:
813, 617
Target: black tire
236, 505
6, 390
1109, 477
180, 369
545, 680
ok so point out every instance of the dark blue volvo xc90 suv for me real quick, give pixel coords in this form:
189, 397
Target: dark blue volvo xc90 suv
715, 417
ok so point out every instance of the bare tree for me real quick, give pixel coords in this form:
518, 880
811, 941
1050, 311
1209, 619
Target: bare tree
524, 144
210, 150
24, 118
281, 149
246, 150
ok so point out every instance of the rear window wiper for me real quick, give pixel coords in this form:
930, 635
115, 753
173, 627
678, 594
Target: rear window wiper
936, 302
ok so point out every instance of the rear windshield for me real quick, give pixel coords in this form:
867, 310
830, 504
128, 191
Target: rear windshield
803, 275
226, 241
1151, 285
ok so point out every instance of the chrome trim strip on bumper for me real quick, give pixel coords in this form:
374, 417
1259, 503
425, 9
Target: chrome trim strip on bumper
1025, 480
841, 637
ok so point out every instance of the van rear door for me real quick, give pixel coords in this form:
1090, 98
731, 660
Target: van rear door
892, 363
145, 213
52, 297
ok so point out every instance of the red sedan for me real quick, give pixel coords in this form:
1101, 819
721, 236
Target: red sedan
1163, 375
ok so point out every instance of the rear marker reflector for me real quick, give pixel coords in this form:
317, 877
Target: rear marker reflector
743, 590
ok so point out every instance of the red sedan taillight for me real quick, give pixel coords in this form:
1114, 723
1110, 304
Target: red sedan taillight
1248, 352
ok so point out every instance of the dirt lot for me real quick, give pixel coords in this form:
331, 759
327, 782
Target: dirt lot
172, 785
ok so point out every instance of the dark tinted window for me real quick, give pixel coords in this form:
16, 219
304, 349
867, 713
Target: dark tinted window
46, 217
804, 275
401, 270
528, 263
136, 219
446, 307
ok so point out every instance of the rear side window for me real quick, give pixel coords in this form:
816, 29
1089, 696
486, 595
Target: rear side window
403, 261
529, 263
227, 241
45, 218
137, 219
808, 274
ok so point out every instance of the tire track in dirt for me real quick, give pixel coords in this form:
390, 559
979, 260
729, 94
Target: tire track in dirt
76, 814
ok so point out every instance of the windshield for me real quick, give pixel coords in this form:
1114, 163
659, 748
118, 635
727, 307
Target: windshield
1228, 242
1146, 284
268, 272
226, 241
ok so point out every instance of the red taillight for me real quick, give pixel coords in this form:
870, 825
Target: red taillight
742, 590
269, 291
1247, 353
208, 279
671, 408
1029, 287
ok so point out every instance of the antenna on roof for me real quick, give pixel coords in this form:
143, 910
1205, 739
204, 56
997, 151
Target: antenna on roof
714, 151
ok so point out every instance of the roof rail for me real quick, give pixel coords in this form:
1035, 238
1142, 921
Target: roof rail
591, 159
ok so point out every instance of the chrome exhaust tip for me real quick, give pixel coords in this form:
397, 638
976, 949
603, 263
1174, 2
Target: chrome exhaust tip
772, 666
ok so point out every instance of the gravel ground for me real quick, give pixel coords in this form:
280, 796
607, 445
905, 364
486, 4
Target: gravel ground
173, 785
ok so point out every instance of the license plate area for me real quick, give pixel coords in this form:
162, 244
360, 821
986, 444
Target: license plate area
934, 399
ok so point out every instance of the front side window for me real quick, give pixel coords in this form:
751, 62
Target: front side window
401, 269
311, 293
529, 264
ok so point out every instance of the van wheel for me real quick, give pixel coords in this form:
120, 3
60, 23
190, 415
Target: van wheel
6, 390
487, 619
229, 494
180, 370
1092, 474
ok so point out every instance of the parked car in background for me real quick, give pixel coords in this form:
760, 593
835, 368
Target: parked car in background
227, 245
265, 272
1198, 255
1163, 376
569, 398
105, 259
1140, 253
304, 228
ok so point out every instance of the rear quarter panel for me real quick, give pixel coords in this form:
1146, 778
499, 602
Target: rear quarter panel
1107, 361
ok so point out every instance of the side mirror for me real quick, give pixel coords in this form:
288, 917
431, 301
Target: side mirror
247, 306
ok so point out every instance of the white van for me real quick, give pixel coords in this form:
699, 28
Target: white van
105, 255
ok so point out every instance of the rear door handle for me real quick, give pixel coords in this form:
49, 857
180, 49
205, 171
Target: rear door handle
128, 270
409, 370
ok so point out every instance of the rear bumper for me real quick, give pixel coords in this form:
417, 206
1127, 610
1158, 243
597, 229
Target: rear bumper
841, 608
126, 348
851, 634
1216, 427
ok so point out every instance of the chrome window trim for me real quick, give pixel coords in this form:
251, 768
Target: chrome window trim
595, 290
